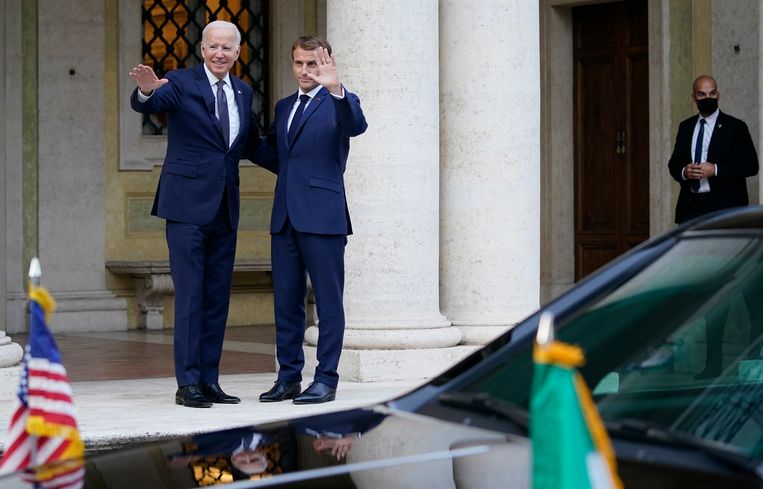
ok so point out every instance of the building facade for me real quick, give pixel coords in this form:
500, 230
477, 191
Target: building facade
513, 147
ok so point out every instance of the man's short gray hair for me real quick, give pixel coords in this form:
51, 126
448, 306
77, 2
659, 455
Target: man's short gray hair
221, 24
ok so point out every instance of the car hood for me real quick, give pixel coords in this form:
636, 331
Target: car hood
359, 448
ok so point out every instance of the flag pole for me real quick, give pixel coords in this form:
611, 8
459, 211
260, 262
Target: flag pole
545, 334
35, 279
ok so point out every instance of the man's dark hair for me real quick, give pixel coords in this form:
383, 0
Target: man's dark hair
309, 43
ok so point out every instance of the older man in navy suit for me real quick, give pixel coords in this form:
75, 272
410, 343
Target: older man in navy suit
211, 127
309, 142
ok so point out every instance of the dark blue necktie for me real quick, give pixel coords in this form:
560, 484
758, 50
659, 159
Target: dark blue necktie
698, 151
222, 111
303, 99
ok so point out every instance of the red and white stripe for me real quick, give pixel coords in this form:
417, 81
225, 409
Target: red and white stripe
49, 397
18, 448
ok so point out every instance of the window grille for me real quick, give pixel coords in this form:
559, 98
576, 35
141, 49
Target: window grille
172, 37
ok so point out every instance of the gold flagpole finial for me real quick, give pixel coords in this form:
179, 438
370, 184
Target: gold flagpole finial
545, 334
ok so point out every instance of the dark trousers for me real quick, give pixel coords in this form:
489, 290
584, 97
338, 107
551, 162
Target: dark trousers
715, 326
294, 256
699, 205
201, 264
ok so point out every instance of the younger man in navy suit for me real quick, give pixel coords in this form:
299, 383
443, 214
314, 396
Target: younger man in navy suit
309, 142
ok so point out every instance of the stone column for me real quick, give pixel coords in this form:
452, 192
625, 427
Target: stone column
490, 143
387, 53
10, 353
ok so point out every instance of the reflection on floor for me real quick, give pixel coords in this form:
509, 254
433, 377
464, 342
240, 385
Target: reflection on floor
140, 354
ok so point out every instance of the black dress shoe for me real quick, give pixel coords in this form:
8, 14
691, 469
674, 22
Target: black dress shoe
316, 393
281, 391
191, 396
214, 393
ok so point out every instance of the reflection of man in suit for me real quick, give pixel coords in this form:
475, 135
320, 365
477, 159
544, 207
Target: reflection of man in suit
310, 140
210, 123
246, 451
334, 434
712, 158
711, 171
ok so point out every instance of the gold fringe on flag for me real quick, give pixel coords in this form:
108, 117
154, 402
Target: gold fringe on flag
597, 429
41, 296
560, 354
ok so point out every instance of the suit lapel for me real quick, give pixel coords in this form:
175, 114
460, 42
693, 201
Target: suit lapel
719, 132
242, 110
309, 110
209, 98
282, 122
688, 135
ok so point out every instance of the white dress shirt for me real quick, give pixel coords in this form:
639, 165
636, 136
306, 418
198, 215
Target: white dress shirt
710, 120
312, 93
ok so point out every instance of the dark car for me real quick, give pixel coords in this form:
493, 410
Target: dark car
672, 333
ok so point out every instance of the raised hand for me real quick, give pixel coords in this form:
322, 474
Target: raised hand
327, 73
146, 79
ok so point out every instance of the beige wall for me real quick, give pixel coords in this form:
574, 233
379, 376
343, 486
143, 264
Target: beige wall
735, 51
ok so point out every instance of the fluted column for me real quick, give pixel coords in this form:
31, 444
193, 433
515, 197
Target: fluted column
490, 128
387, 53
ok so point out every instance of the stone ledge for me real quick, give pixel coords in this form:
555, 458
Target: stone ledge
142, 268
97, 310
152, 282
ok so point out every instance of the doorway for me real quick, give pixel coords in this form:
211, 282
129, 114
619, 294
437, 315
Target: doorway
611, 131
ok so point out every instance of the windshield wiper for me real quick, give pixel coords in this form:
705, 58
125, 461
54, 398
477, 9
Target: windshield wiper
486, 403
636, 428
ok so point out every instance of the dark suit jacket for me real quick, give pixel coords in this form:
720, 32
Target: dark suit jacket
312, 167
731, 149
198, 165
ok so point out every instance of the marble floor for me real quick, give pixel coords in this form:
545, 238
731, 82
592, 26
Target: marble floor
140, 354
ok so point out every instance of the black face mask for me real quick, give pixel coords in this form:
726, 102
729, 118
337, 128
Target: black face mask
707, 106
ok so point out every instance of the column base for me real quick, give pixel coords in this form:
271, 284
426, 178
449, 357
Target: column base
10, 353
93, 311
390, 365
9, 382
482, 335
393, 339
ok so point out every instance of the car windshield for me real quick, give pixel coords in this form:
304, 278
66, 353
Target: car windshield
676, 347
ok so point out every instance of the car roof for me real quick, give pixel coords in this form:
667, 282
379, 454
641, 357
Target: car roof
737, 218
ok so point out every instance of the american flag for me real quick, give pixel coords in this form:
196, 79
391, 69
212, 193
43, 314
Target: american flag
43, 430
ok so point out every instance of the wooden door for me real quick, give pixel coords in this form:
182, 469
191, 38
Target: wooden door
611, 107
